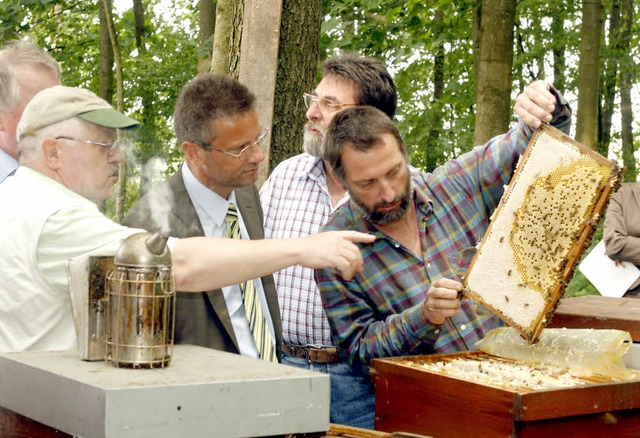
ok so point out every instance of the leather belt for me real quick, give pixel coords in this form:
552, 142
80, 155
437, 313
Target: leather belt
312, 354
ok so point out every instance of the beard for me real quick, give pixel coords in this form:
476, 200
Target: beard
376, 217
312, 143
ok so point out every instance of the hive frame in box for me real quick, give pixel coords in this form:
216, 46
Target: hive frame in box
418, 400
541, 227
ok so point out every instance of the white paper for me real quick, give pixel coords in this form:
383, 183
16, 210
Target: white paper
610, 279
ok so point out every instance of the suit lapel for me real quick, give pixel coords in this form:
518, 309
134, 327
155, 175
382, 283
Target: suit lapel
248, 201
251, 216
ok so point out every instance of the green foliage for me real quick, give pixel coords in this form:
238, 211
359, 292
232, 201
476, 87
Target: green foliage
408, 35
20, 16
402, 34
154, 77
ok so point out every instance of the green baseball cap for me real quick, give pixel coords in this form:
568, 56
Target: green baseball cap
55, 104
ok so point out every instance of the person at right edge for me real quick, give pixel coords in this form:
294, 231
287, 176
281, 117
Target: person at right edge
622, 230
405, 301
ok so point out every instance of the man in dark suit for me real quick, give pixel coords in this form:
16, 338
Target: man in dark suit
216, 125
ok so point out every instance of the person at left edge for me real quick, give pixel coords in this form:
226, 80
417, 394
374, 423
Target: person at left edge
25, 69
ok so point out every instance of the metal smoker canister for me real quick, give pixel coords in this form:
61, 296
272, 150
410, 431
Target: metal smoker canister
141, 312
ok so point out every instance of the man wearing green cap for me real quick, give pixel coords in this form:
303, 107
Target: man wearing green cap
69, 158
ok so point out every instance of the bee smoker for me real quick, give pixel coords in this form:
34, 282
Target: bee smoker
141, 304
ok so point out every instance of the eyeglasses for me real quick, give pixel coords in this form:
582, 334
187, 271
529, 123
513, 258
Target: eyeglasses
261, 140
324, 104
110, 147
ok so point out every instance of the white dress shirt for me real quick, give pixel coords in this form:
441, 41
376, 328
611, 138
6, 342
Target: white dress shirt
212, 209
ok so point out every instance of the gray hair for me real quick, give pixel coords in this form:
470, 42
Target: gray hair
375, 85
29, 148
20, 53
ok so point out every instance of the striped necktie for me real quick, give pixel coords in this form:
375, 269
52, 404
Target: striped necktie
253, 308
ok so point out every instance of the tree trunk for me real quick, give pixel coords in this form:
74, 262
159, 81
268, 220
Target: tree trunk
626, 108
122, 177
609, 78
138, 17
493, 78
589, 73
559, 38
434, 117
225, 57
105, 75
296, 74
146, 133
207, 26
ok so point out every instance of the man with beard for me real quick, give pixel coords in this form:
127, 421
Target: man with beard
405, 302
298, 198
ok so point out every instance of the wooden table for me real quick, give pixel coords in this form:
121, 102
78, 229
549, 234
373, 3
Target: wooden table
595, 311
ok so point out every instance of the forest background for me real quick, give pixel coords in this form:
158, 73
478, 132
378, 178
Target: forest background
458, 66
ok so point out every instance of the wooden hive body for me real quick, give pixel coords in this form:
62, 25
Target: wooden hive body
412, 399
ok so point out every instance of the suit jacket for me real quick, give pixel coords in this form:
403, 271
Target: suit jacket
202, 317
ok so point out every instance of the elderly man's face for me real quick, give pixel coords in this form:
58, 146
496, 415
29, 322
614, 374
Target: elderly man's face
30, 82
87, 169
334, 94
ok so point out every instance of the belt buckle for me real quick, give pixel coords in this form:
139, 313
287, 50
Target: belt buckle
307, 350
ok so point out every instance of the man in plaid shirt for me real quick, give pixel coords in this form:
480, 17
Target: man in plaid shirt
406, 300
298, 199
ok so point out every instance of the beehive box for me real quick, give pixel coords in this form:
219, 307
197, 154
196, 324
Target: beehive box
545, 220
413, 399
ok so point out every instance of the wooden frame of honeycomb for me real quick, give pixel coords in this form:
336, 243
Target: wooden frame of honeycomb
544, 222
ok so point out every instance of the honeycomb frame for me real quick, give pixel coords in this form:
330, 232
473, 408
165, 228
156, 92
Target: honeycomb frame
543, 223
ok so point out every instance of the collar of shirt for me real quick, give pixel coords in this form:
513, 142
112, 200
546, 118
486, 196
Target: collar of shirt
314, 168
310, 167
212, 209
316, 172
205, 200
7, 164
